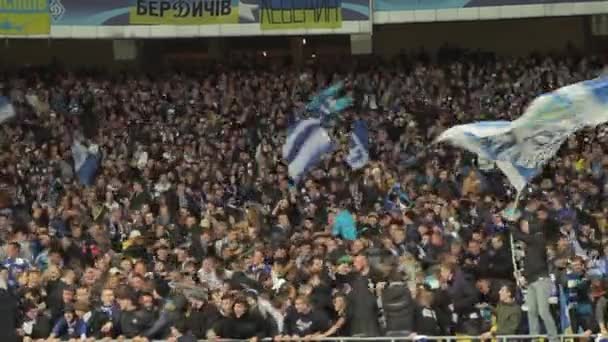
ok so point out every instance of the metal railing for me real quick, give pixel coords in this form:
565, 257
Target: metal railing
460, 338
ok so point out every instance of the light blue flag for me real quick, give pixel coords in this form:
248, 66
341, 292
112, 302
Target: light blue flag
7, 110
325, 103
86, 163
522, 147
358, 155
315, 103
306, 143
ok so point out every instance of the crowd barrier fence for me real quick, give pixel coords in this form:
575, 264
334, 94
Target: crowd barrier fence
459, 338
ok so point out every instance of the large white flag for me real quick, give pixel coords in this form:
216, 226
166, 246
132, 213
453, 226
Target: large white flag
522, 147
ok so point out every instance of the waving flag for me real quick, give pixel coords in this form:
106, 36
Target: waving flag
306, 143
7, 110
86, 162
325, 103
358, 155
522, 147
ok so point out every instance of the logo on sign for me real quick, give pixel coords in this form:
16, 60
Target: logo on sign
57, 10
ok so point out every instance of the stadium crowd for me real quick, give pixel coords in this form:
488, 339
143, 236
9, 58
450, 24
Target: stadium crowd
192, 229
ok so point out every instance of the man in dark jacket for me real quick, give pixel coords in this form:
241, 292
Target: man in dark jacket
496, 262
398, 306
8, 309
202, 315
536, 275
304, 321
104, 320
364, 308
463, 296
131, 323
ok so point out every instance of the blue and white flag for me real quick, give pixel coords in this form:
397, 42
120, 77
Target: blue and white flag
86, 162
522, 147
7, 110
358, 155
306, 143
325, 103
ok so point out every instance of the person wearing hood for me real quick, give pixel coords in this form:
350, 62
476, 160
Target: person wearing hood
201, 316
398, 306
536, 275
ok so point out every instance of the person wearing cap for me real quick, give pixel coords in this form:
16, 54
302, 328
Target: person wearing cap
70, 326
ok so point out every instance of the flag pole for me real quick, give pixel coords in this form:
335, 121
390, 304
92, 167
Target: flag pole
512, 216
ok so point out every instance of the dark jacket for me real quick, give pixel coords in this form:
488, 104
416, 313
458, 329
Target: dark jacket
535, 260
244, 327
463, 293
8, 312
398, 307
426, 321
364, 308
497, 263
42, 328
316, 321
132, 323
201, 320
99, 318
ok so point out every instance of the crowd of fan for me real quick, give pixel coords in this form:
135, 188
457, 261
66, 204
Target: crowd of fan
193, 230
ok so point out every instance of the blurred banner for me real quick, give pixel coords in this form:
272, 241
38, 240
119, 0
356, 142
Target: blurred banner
281, 14
24, 17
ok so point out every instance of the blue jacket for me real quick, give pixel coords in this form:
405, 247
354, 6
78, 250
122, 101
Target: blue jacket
65, 331
345, 226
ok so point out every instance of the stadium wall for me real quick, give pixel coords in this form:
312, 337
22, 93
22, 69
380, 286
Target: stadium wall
504, 37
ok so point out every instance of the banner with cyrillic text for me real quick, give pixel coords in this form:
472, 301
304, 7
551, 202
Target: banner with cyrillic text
296, 14
24, 17
184, 12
